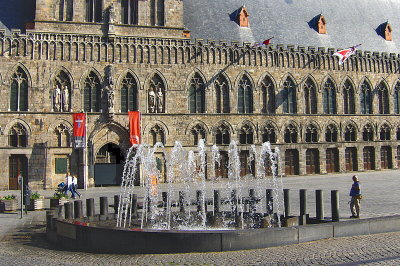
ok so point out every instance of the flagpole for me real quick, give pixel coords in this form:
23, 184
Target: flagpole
85, 159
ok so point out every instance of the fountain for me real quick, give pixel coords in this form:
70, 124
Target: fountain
246, 201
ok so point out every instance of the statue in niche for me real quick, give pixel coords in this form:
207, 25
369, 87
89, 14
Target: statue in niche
57, 98
111, 19
160, 101
152, 101
65, 98
109, 89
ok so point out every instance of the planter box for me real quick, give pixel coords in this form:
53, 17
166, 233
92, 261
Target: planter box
36, 204
55, 202
8, 205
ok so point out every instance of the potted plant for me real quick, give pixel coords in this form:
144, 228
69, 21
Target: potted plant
58, 199
36, 202
8, 203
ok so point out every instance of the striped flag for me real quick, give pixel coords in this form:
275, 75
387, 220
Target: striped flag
266, 42
134, 127
346, 53
79, 130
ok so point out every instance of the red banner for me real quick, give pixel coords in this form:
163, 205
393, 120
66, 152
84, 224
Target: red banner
134, 127
79, 130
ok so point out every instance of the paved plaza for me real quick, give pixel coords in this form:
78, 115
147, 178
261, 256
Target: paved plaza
22, 241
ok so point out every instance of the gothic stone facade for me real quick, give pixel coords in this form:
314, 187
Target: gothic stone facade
322, 116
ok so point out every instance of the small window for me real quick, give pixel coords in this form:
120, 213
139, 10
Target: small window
61, 165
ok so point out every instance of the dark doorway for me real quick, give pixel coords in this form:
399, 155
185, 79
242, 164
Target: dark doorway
291, 162
386, 157
351, 159
312, 161
332, 160
369, 158
108, 166
18, 164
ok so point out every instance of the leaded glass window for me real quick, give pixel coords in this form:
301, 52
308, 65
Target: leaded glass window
331, 134
289, 97
19, 91
198, 133
310, 97
365, 98
197, 94
269, 134
222, 94
348, 98
246, 135
129, 91
92, 93
384, 132
18, 136
290, 134
329, 97
350, 133
245, 96
368, 133
157, 134
222, 135
383, 98
311, 133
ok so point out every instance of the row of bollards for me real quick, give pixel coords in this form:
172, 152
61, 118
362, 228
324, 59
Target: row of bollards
75, 209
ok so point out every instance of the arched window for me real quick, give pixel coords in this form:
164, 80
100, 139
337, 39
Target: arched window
329, 97
397, 98
198, 133
398, 135
350, 133
311, 133
246, 135
62, 93
66, 10
348, 98
289, 97
129, 12
92, 93
156, 95
269, 134
157, 13
245, 96
129, 94
19, 91
62, 136
268, 96
94, 11
365, 98
331, 134
310, 97
157, 135
384, 133
383, 98
222, 135
18, 136
290, 134
197, 94
368, 133
222, 94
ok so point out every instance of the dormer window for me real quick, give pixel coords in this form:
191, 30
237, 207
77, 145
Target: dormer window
321, 25
387, 32
243, 17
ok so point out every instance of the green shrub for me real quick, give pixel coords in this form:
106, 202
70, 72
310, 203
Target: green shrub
36, 195
8, 197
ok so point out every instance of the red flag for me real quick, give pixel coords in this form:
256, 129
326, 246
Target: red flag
266, 42
346, 53
134, 127
79, 130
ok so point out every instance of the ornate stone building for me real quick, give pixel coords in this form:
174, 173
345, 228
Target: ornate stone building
108, 57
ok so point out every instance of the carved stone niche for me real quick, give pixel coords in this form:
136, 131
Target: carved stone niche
243, 17
387, 32
321, 25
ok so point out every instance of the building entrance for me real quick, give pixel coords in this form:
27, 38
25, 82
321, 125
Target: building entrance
108, 167
18, 164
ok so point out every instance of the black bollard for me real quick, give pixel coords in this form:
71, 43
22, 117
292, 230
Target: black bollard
199, 200
103, 206
78, 209
269, 200
134, 207
90, 207
217, 201
165, 199
68, 210
49, 216
303, 201
59, 211
181, 201
116, 203
286, 199
335, 205
319, 196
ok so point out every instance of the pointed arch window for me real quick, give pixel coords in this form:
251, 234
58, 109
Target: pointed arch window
92, 93
397, 98
129, 12
66, 9
156, 95
246, 135
365, 98
268, 95
157, 12
62, 136
384, 133
329, 97
245, 96
310, 97
157, 135
368, 133
197, 94
19, 91
129, 93
222, 94
383, 98
350, 133
62, 93
18, 136
311, 134
348, 98
269, 134
290, 134
198, 133
94, 11
289, 97
331, 134
222, 135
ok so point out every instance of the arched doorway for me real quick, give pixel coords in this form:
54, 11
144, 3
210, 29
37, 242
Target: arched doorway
108, 165
18, 164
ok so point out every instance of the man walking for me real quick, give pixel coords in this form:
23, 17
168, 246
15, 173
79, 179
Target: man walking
355, 194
